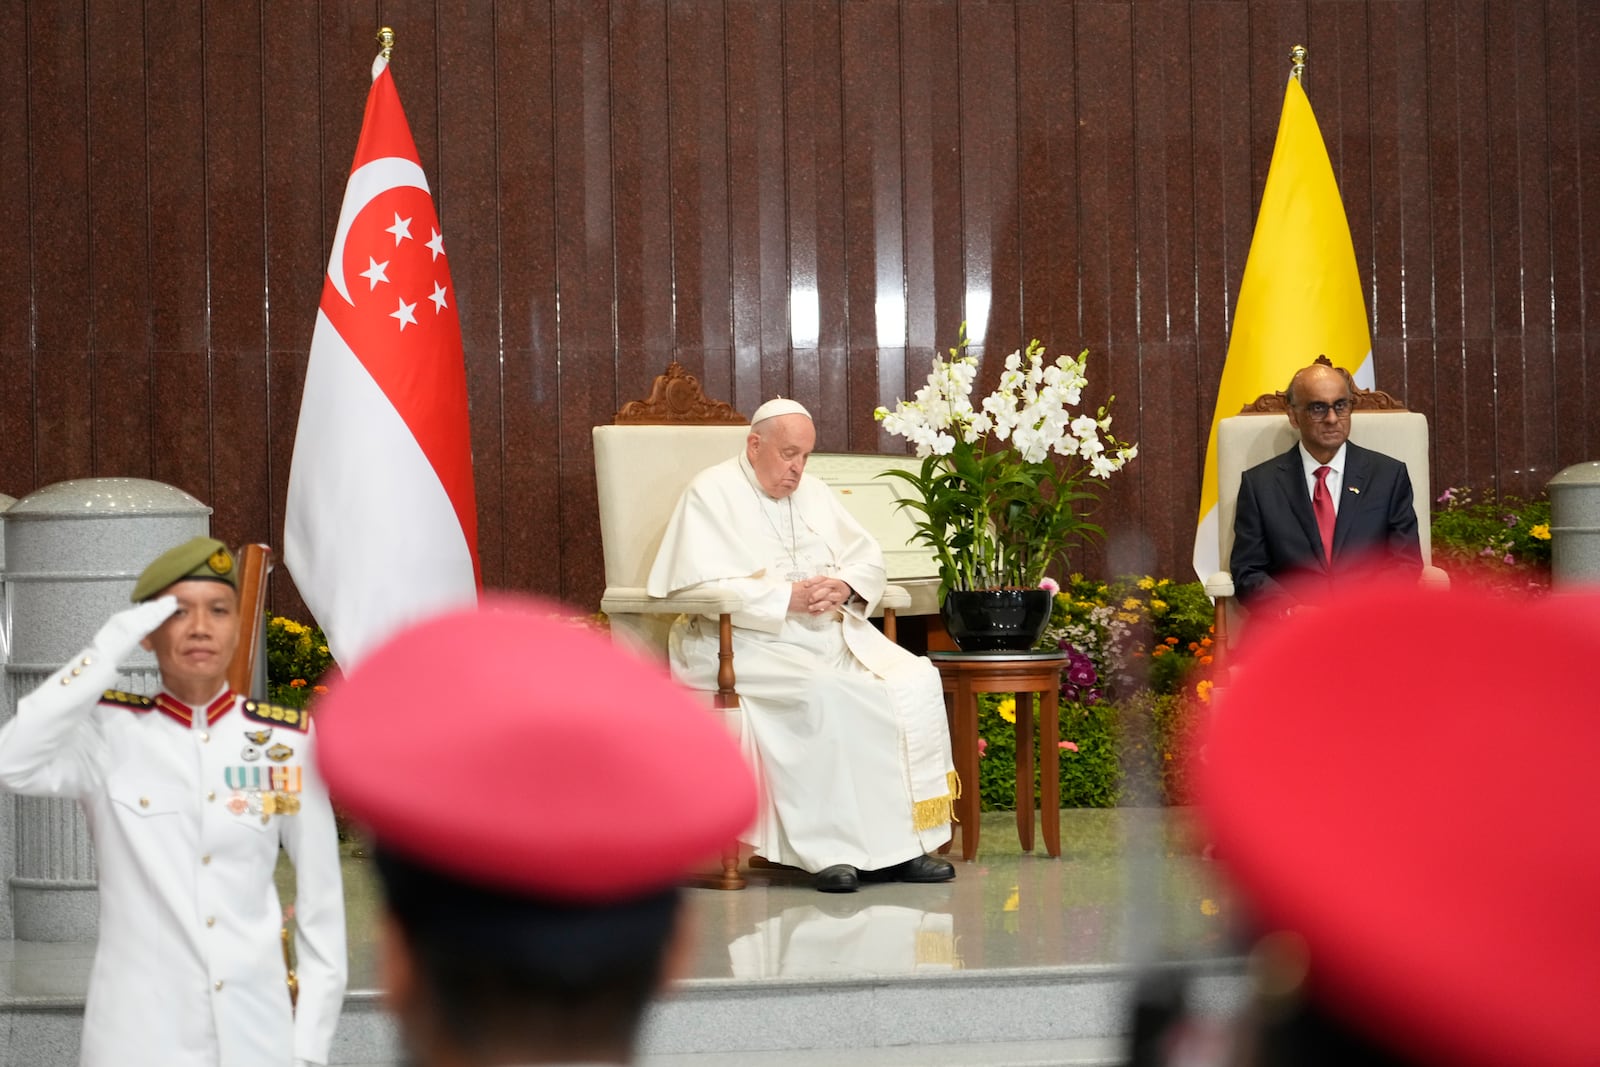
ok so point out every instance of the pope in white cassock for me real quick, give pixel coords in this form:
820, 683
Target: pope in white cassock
848, 728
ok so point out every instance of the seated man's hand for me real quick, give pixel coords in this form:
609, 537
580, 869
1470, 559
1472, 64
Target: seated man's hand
827, 594
801, 594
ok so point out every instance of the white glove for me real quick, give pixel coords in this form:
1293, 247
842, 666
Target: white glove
123, 631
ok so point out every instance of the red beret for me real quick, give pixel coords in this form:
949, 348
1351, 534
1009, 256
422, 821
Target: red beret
511, 746
1404, 779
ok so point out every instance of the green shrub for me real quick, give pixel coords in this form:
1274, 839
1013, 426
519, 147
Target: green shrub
1090, 774
297, 658
1500, 540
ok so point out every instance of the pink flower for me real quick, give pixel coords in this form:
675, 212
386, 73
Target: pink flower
1069, 746
982, 745
1509, 559
1050, 585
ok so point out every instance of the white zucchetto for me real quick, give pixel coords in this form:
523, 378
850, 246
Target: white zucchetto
779, 406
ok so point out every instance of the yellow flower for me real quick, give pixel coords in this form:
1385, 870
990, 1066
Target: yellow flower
1014, 901
1209, 907
1146, 583
1202, 689
1131, 604
1007, 709
1158, 605
1128, 616
1541, 531
323, 649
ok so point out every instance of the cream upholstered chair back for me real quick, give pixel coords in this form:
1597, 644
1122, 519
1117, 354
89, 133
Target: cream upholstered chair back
1245, 440
640, 472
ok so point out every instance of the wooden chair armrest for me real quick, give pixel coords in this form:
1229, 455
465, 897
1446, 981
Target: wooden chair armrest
895, 598
634, 600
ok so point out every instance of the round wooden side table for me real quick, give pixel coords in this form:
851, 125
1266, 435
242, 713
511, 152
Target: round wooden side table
965, 676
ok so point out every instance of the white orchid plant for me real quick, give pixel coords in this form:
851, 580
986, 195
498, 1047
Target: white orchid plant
1001, 489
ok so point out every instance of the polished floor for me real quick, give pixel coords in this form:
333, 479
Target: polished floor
1130, 887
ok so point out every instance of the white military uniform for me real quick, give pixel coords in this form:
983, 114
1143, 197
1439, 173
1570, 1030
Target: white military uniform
187, 808
847, 729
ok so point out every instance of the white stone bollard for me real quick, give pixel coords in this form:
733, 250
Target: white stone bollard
72, 553
1575, 527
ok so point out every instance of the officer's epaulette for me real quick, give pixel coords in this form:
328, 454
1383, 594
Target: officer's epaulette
116, 698
274, 715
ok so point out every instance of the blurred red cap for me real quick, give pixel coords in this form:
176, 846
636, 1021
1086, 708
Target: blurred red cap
1405, 779
511, 746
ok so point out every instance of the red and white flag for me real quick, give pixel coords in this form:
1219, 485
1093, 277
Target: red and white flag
381, 525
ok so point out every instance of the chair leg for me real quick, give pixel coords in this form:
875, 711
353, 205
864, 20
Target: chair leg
1219, 637
731, 878
889, 626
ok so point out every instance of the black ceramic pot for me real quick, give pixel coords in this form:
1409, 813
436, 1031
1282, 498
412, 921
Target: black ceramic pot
995, 620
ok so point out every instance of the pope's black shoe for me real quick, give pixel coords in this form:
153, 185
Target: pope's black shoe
840, 878
920, 869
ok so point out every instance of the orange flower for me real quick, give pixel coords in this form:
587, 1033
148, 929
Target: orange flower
297, 683
1205, 642
1205, 659
319, 689
1194, 646
1172, 640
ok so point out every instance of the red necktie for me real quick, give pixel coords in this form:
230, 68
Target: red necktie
1322, 507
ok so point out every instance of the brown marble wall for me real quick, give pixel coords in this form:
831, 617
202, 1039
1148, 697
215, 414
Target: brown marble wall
802, 197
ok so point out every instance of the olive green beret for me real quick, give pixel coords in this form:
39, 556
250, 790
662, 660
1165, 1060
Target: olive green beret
205, 558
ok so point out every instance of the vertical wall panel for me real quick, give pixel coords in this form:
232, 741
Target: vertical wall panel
1107, 224
874, 238
802, 197
58, 148
525, 175
18, 432
697, 86
118, 300
1164, 239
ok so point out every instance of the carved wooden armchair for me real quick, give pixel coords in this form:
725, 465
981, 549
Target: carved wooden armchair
1261, 430
643, 462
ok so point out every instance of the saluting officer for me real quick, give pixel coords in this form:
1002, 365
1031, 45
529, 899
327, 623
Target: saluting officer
518, 931
188, 795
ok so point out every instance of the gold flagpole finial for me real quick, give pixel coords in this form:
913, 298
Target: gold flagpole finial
1297, 56
386, 43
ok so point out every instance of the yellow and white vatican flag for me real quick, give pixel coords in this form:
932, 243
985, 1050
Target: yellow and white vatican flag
1300, 297
382, 522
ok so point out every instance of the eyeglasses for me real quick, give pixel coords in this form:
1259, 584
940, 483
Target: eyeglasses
1319, 410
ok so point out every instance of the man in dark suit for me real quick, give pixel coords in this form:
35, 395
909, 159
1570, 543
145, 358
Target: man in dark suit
1323, 513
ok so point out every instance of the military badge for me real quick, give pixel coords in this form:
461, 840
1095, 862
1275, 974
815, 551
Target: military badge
285, 804
250, 754
279, 753
258, 737
242, 777
285, 779
238, 804
220, 562
269, 803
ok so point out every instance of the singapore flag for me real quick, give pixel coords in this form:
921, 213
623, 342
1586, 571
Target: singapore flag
381, 525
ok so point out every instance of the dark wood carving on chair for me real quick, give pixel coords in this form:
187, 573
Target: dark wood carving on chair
676, 399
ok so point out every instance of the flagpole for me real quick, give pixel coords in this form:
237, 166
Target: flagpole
385, 38
1297, 56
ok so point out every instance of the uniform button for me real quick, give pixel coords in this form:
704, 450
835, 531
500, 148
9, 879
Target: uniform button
219, 985
204, 736
66, 681
144, 802
211, 794
211, 920
77, 671
206, 859
87, 660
